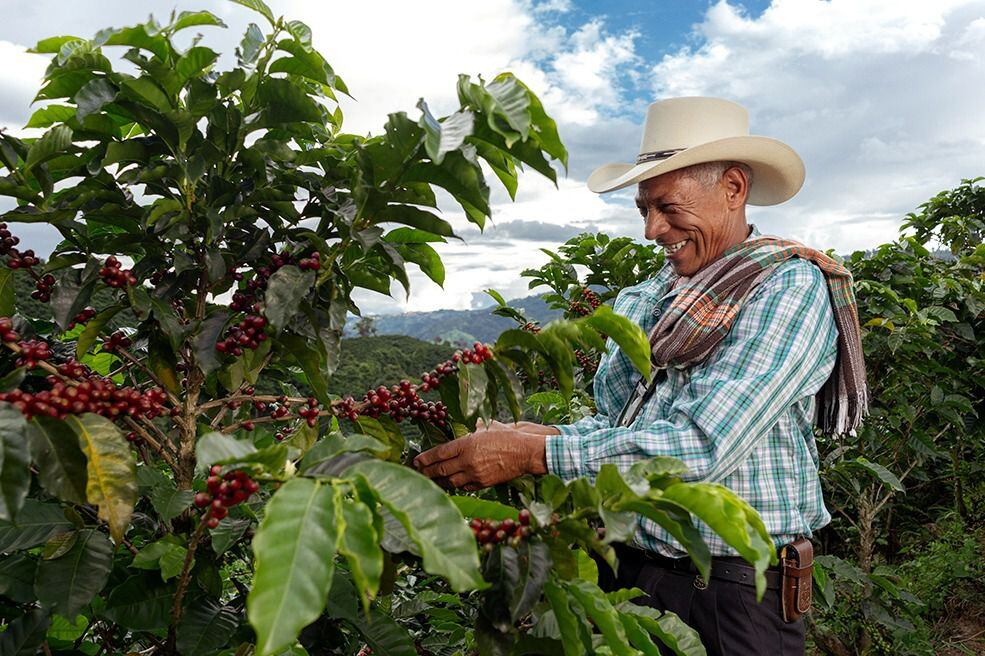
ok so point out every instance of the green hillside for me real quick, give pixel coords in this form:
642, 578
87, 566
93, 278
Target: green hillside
383, 360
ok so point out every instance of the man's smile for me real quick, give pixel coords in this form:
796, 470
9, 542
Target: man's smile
670, 249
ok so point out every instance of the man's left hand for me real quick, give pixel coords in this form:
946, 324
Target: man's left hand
484, 458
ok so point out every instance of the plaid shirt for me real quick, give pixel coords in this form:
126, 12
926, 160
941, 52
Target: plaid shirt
743, 418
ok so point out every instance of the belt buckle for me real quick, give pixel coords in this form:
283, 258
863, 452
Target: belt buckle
700, 583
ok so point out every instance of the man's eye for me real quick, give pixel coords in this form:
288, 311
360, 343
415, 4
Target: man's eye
642, 211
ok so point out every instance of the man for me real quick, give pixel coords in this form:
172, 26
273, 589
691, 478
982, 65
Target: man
745, 331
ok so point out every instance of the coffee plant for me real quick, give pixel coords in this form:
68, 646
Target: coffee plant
174, 475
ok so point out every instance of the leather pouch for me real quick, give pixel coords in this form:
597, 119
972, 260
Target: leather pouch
797, 563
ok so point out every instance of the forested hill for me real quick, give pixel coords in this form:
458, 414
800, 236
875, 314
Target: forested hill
460, 326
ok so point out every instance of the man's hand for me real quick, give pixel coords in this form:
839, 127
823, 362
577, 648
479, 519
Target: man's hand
484, 458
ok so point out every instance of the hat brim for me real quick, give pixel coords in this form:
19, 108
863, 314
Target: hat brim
778, 172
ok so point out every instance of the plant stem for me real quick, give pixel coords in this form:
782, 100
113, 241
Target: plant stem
186, 572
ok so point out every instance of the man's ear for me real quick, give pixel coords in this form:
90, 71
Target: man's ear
736, 187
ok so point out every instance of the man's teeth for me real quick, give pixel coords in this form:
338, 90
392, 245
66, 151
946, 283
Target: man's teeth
673, 248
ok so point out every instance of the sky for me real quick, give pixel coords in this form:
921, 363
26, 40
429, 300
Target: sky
881, 99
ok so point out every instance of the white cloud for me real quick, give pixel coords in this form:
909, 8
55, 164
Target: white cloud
20, 75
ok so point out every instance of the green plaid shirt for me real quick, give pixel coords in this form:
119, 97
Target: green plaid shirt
743, 418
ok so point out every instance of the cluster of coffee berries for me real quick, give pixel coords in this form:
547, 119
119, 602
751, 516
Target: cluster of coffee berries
248, 333
478, 354
489, 532
310, 412
43, 287
224, 492
93, 394
7, 240
7, 332
311, 263
116, 341
24, 260
345, 408
530, 327
115, 276
588, 363
584, 303
82, 317
31, 352
402, 401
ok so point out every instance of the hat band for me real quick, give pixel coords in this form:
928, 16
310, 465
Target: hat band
658, 154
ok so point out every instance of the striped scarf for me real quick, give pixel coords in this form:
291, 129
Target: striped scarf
707, 305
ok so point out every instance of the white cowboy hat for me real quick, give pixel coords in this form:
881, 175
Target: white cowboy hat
680, 132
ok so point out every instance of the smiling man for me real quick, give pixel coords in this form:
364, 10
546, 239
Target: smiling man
754, 340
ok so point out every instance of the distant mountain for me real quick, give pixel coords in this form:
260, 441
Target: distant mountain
460, 326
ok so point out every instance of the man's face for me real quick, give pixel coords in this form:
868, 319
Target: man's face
690, 221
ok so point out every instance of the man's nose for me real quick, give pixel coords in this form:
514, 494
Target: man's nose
656, 225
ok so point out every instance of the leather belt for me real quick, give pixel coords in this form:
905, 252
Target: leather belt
732, 569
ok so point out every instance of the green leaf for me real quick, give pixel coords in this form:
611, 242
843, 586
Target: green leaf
445, 136
336, 444
360, 545
205, 341
112, 472
880, 472
169, 502
538, 568
383, 635
141, 603
310, 361
52, 143
283, 101
92, 97
573, 631
601, 612
227, 533
195, 62
249, 50
216, 448
627, 334
484, 508
472, 382
93, 329
25, 635
188, 19
15, 477
414, 217
638, 637
46, 116
294, 550
258, 6
66, 584
672, 631
6, 293
37, 522
286, 288
432, 521
167, 555
17, 574
60, 461
53, 44
147, 92
205, 627
732, 518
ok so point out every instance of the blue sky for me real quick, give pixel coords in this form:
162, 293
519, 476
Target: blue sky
881, 98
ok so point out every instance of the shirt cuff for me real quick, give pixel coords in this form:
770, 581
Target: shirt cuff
564, 456
565, 429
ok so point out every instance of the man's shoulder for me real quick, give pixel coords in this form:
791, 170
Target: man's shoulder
794, 273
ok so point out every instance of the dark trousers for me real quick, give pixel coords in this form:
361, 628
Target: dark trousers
725, 614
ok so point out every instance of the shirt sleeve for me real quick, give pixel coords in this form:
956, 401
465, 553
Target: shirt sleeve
781, 348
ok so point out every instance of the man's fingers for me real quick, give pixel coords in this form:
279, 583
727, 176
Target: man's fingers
461, 479
442, 469
437, 454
